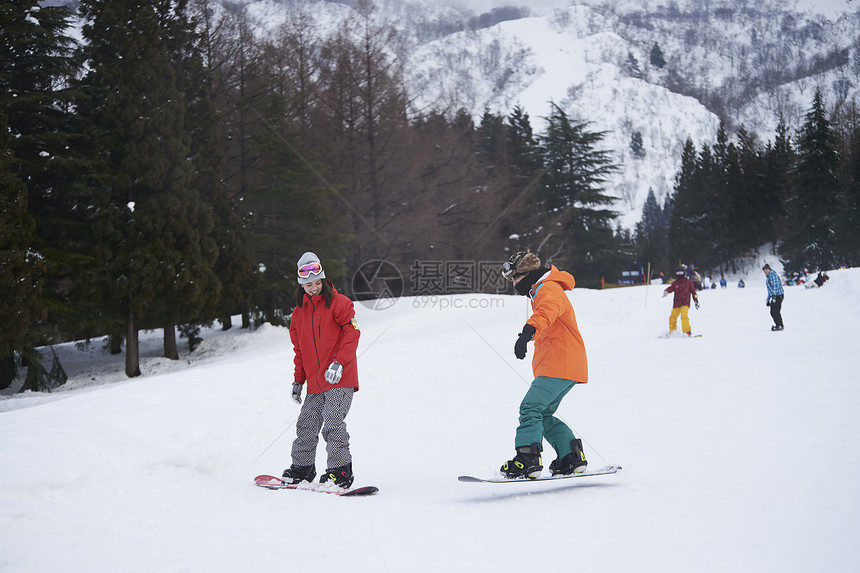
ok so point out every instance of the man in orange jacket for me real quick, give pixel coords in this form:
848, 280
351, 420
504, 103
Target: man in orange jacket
559, 363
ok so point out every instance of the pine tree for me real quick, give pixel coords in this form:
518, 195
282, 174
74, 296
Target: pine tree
524, 155
779, 161
668, 209
683, 213
656, 57
150, 221
36, 67
491, 141
722, 221
757, 199
520, 181
573, 197
290, 203
235, 64
700, 218
813, 206
652, 235
20, 268
636, 145
652, 217
708, 213
849, 222
633, 66
227, 242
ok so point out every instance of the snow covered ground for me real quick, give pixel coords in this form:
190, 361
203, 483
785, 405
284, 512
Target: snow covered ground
740, 449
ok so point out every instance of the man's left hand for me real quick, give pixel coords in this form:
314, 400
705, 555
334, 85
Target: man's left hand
520, 346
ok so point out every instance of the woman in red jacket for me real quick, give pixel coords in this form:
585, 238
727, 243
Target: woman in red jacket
325, 338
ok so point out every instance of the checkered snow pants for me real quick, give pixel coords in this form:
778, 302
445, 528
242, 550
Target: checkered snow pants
326, 411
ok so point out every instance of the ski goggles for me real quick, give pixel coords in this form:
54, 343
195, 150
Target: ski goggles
508, 269
309, 269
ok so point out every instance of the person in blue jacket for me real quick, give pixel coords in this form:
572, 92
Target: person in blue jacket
775, 294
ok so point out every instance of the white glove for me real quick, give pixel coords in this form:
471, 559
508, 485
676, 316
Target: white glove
334, 372
665, 294
297, 392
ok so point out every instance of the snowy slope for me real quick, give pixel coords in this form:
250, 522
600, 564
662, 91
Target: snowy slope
739, 448
574, 60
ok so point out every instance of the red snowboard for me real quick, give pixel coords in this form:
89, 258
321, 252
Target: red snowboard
272, 482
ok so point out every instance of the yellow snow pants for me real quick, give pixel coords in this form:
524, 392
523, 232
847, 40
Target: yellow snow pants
685, 320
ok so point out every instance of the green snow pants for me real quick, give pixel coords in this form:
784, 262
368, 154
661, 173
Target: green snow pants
536, 415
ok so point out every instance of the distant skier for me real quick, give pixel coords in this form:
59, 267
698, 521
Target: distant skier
559, 363
775, 294
325, 338
684, 289
821, 279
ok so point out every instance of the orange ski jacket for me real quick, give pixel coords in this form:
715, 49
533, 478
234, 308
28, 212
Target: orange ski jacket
559, 350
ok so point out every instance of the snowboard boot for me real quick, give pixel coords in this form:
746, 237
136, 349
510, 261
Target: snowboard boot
296, 474
572, 463
526, 464
341, 477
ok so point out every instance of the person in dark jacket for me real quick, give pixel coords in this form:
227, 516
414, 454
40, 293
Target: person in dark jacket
325, 339
684, 289
775, 294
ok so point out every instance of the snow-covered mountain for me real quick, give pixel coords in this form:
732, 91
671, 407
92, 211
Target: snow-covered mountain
748, 62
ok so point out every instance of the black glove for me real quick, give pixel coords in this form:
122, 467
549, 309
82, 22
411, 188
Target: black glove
520, 346
769, 300
697, 304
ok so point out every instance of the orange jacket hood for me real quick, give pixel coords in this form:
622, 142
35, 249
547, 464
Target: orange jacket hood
559, 350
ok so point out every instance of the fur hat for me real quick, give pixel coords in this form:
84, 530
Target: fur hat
530, 262
307, 259
520, 263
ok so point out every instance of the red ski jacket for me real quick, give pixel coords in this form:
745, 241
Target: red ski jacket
322, 334
683, 289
